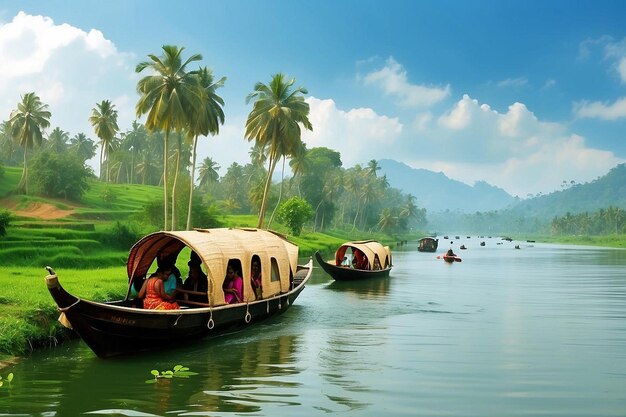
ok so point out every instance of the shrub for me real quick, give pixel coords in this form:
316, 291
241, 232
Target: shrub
60, 175
5, 220
122, 235
294, 213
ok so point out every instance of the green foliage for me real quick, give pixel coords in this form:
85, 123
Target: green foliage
294, 213
179, 371
5, 220
122, 235
108, 196
1, 171
9, 379
60, 175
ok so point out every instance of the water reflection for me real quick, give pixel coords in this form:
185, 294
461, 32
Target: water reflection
536, 331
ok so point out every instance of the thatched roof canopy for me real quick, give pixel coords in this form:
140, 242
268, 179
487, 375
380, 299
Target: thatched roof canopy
370, 248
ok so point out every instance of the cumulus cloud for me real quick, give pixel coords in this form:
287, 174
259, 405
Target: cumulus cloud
393, 80
70, 69
359, 134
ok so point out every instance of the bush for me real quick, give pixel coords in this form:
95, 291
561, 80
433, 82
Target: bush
294, 213
61, 175
122, 235
5, 220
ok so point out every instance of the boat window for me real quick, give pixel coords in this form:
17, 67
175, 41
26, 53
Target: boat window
275, 270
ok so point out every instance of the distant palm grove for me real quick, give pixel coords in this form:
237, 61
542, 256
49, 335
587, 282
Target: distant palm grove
180, 106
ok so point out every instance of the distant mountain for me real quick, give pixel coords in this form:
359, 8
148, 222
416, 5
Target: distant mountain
436, 192
605, 191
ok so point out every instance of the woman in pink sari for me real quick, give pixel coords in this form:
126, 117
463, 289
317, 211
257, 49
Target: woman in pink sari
233, 286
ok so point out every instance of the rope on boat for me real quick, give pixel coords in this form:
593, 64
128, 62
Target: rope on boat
268, 306
211, 323
64, 309
248, 316
280, 306
177, 318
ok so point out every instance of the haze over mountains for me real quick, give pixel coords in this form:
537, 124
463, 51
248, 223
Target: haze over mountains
436, 192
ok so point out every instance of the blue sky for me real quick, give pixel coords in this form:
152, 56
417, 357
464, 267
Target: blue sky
522, 95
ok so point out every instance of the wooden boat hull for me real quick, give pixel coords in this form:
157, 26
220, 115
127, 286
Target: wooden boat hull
451, 259
118, 328
341, 273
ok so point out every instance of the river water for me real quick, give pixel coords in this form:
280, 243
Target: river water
539, 331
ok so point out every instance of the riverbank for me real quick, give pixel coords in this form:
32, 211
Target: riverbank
609, 241
29, 318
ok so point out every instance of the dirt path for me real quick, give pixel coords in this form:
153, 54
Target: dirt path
43, 211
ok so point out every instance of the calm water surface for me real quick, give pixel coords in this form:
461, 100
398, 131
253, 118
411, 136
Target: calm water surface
539, 331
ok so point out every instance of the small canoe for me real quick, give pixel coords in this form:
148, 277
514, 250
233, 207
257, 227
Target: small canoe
451, 259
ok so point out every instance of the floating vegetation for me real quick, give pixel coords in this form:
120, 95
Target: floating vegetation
9, 379
179, 371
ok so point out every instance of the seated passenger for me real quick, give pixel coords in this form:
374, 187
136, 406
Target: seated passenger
233, 285
360, 260
173, 281
153, 292
376, 263
255, 277
197, 280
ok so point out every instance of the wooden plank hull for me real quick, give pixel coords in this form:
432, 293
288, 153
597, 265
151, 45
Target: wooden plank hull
341, 273
118, 328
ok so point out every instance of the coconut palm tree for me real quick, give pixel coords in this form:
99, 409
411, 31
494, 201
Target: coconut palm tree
168, 96
82, 146
274, 123
57, 140
27, 122
104, 120
208, 120
207, 172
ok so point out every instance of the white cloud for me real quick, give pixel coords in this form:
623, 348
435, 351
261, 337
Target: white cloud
70, 69
393, 80
513, 82
597, 110
359, 134
513, 150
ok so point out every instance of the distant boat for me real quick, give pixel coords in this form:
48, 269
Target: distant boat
482, 243
428, 244
462, 247
374, 257
450, 258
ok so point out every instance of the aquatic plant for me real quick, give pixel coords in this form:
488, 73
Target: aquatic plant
9, 379
179, 371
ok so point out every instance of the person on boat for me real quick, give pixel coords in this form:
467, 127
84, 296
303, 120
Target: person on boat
376, 263
345, 261
360, 260
173, 281
153, 292
233, 285
197, 280
255, 277
450, 253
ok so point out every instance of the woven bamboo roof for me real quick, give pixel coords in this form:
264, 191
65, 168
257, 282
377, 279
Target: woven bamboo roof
370, 248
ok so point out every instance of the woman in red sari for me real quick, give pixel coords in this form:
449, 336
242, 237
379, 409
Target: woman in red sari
153, 292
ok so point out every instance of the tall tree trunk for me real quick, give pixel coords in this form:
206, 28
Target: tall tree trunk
266, 190
167, 135
23, 184
101, 172
193, 173
174, 220
280, 195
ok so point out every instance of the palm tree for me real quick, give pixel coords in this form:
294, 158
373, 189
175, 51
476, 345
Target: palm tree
208, 172
82, 146
57, 140
372, 168
104, 120
134, 141
274, 123
300, 164
207, 121
27, 122
167, 97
